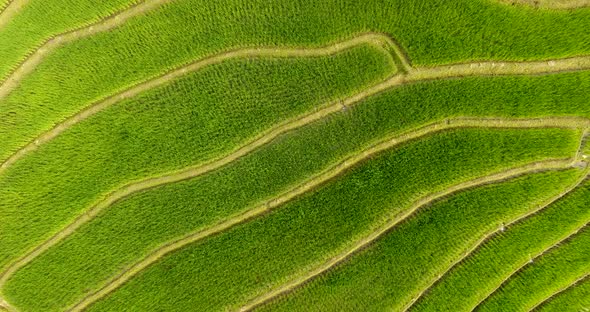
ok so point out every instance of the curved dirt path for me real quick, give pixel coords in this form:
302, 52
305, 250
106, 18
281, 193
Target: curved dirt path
563, 240
413, 209
318, 180
539, 305
486, 238
10, 10
407, 74
489, 236
27, 65
378, 41
549, 4
4, 306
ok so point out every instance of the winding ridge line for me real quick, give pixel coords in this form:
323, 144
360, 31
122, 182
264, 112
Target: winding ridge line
550, 4
489, 236
5, 306
34, 59
407, 74
375, 40
461, 122
10, 10
413, 209
531, 261
582, 279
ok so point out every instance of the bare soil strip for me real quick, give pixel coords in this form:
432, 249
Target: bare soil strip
5, 306
11, 9
489, 236
530, 262
308, 186
407, 74
550, 4
582, 279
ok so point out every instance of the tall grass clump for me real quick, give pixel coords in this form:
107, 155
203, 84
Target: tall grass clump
474, 279
325, 221
202, 116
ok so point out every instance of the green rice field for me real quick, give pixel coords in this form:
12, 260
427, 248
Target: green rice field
337, 155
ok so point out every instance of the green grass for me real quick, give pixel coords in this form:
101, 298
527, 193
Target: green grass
367, 194
209, 113
115, 146
548, 274
574, 299
235, 94
183, 31
50, 177
132, 227
387, 275
238, 264
204, 115
469, 283
41, 19
553, 95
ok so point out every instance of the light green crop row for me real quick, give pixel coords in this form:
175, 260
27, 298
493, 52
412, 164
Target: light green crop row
574, 299
39, 20
387, 275
66, 174
228, 269
199, 117
554, 270
182, 31
474, 279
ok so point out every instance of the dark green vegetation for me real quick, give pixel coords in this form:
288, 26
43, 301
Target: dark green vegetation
32, 27
558, 268
472, 281
59, 183
165, 130
574, 299
397, 267
151, 139
247, 260
132, 227
95, 67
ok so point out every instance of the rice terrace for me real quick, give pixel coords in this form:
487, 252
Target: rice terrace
295, 155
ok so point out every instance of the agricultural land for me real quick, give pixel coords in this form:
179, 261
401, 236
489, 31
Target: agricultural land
294, 155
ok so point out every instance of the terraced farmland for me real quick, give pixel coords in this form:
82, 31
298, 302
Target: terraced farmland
338, 155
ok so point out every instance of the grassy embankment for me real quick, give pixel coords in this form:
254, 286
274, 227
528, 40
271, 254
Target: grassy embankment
574, 299
319, 224
547, 274
93, 68
384, 114
25, 31
194, 119
389, 273
392, 111
481, 273
366, 195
